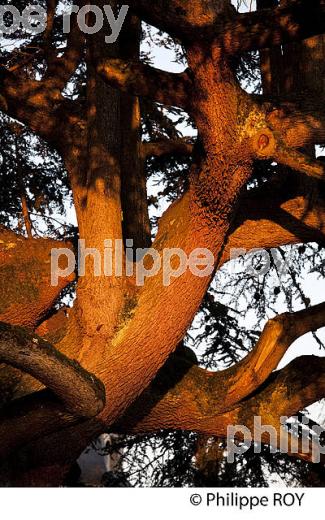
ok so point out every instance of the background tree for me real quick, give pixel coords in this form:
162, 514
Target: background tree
86, 100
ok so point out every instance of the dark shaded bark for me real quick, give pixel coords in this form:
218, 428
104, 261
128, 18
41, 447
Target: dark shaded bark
135, 224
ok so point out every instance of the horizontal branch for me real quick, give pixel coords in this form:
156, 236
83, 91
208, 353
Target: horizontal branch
286, 392
34, 103
167, 147
299, 123
182, 19
26, 292
265, 28
270, 145
267, 219
142, 80
300, 162
81, 392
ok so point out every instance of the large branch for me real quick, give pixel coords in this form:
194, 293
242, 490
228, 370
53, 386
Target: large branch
300, 162
197, 399
180, 18
299, 125
277, 336
270, 140
268, 144
37, 104
81, 393
265, 28
142, 80
26, 292
269, 217
191, 404
26, 100
277, 129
